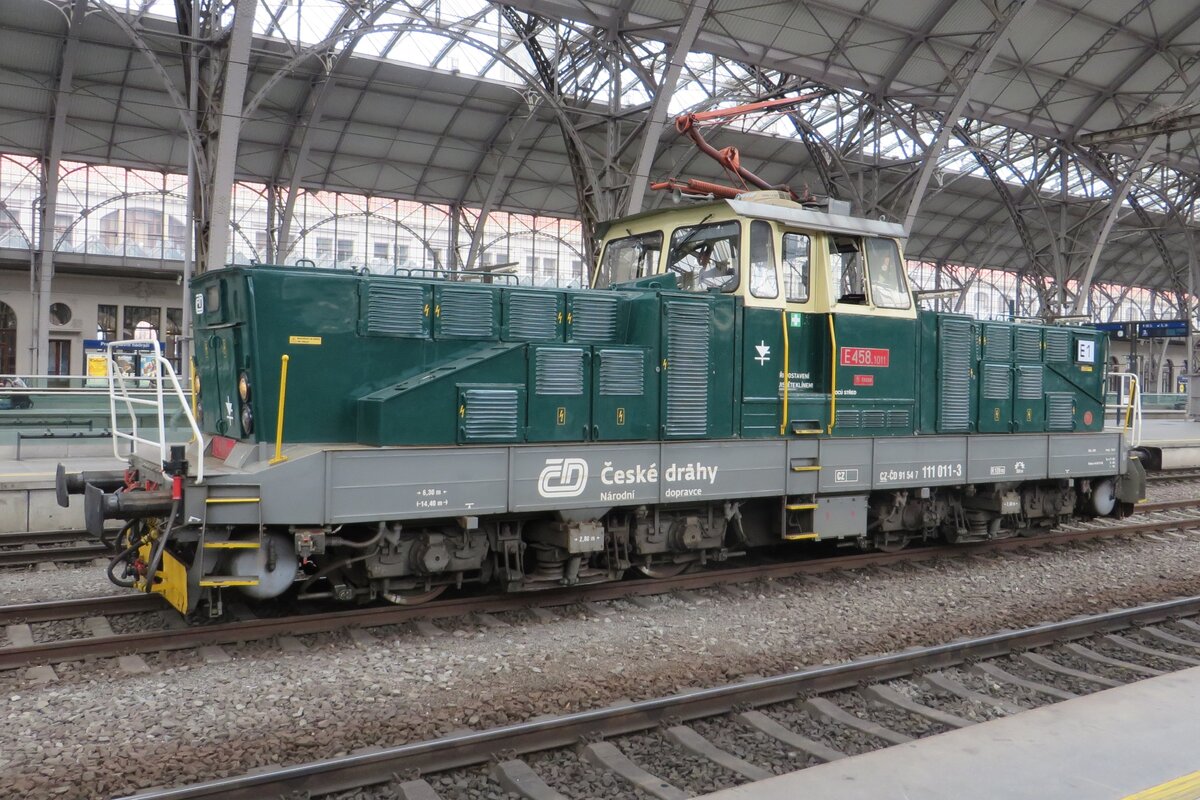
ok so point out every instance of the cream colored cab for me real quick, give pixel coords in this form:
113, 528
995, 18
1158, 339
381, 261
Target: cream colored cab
766, 248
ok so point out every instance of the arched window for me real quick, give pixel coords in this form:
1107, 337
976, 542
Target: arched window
8, 339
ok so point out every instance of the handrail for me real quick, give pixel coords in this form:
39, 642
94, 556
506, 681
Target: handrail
832, 374
117, 389
279, 456
38, 384
434, 273
1132, 406
787, 375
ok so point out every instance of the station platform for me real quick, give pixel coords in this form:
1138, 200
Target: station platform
27, 500
1136, 742
1175, 443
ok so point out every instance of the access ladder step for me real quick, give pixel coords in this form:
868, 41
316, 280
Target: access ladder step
212, 501
231, 545
801, 537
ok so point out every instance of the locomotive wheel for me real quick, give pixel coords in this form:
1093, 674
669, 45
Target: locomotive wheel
414, 597
663, 570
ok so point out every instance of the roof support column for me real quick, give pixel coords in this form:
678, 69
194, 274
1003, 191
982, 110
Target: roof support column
970, 72
43, 264
1118, 200
506, 162
225, 130
693, 18
1189, 365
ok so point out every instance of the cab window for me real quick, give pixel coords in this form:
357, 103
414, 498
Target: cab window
705, 257
628, 259
889, 289
763, 280
846, 269
795, 266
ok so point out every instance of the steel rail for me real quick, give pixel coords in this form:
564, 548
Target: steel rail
42, 537
49, 611
1166, 505
460, 750
324, 622
1173, 475
79, 552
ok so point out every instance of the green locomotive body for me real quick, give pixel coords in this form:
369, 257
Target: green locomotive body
383, 360
746, 372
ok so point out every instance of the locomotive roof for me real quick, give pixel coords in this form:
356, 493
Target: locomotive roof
772, 206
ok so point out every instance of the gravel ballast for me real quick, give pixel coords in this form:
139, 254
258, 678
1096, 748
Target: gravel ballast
89, 734
68, 582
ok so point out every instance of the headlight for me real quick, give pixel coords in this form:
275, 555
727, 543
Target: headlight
247, 420
244, 387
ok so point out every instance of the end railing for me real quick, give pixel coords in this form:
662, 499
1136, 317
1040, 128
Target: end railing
121, 392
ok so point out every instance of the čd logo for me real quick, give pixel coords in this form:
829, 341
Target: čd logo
563, 477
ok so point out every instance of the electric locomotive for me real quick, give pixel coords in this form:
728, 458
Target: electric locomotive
747, 372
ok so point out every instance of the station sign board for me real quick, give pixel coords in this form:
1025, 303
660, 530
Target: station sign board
1162, 329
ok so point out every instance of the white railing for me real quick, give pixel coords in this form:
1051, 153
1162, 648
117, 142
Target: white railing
119, 389
64, 385
1129, 405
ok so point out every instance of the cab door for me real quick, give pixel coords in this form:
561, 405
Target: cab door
218, 358
763, 346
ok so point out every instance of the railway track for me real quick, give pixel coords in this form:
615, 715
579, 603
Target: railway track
39, 547
23, 651
681, 745
1173, 475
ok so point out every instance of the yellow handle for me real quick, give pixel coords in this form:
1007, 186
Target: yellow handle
833, 359
787, 377
279, 456
1132, 397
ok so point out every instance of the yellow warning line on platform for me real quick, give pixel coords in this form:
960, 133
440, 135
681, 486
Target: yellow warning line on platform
25, 474
1186, 787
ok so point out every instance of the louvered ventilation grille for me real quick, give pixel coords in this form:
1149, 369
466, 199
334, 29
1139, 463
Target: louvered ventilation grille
469, 313
848, 418
395, 309
997, 382
998, 342
1058, 345
1029, 344
622, 373
874, 418
1060, 411
898, 418
1029, 383
558, 370
955, 375
490, 414
532, 315
593, 319
688, 331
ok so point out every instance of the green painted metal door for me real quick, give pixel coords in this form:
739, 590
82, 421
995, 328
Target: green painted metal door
876, 375
559, 400
995, 378
1029, 393
956, 384
762, 372
624, 393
